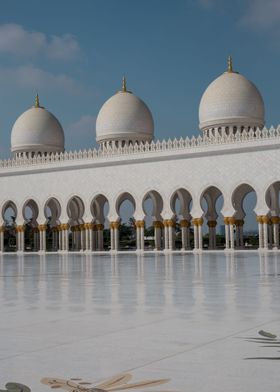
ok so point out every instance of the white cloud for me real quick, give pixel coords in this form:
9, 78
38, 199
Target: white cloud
261, 15
29, 76
14, 39
65, 47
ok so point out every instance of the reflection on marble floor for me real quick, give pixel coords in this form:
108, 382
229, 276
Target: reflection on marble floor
180, 317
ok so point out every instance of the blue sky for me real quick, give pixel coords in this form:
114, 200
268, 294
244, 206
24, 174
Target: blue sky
74, 53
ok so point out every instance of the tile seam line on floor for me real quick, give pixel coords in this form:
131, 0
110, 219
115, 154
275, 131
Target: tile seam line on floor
198, 346
3, 329
85, 339
151, 362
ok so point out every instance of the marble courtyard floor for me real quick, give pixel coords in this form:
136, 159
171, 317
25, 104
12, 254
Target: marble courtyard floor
192, 319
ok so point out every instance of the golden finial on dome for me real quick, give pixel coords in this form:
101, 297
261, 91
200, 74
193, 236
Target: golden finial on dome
229, 64
37, 102
124, 85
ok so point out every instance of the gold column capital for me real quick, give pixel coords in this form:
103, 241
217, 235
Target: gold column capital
239, 222
157, 224
140, 223
184, 223
197, 221
212, 223
265, 219
231, 220
42, 227
169, 223
2, 229
275, 220
99, 226
20, 228
114, 225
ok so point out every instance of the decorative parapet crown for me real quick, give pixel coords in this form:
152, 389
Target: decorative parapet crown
222, 138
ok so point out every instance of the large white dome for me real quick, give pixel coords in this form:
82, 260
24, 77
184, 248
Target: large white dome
231, 100
37, 131
124, 118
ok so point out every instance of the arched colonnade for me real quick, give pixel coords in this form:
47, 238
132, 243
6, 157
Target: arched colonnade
180, 221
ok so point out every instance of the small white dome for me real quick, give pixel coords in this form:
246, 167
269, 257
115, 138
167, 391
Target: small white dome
231, 100
124, 117
37, 131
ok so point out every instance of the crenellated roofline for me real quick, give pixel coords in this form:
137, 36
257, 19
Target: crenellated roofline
225, 139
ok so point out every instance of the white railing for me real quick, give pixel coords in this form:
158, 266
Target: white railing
221, 138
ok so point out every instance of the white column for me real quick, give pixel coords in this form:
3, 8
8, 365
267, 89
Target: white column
184, 227
171, 235
200, 239
231, 232
42, 241
82, 237
138, 237
90, 234
260, 227
86, 234
117, 235
66, 237
265, 233
2, 231
18, 239
62, 238
142, 240
226, 233
112, 236
275, 223
270, 234
166, 235
195, 234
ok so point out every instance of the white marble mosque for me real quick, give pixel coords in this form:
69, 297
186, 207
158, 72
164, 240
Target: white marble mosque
66, 193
